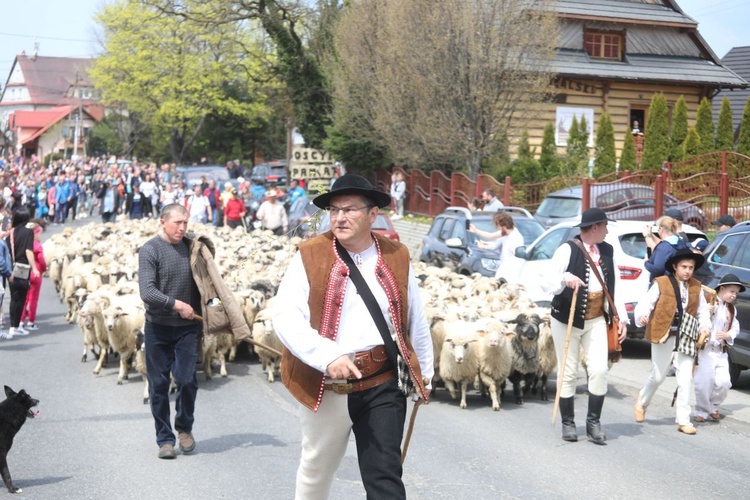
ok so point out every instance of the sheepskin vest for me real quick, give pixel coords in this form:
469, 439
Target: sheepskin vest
662, 316
327, 275
578, 266
225, 316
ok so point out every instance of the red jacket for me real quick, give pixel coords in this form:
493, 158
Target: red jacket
234, 209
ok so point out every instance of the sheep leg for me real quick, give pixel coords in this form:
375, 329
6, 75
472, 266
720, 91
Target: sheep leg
207, 368
543, 387
223, 361
269, 369
489, 383
145, 390
516, 378
232, 352
464, 387
123, 375
451, 388
101, 362
85, 353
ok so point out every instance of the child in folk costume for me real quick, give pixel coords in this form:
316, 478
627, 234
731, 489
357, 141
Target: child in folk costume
712, 381
658, 312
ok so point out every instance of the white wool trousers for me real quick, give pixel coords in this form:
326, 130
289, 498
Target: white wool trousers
712, 381
593, 338
661, 355
376, 416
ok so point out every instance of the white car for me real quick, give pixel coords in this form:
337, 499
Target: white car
532, 262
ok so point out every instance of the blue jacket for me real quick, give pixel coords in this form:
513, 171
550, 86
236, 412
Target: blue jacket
62, 192
6, 268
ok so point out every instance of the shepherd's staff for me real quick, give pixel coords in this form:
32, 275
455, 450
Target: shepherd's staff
247, 339
561, 372
412, 419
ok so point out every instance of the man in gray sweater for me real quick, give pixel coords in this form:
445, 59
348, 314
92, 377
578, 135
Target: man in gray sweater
171, 334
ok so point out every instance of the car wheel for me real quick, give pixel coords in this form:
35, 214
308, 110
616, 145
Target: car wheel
735, 371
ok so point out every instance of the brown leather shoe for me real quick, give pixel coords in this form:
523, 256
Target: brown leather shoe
167, 451
700, 420
639, 410
715, 415
187, 443
687, 429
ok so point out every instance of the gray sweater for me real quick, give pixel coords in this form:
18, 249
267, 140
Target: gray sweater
164, 275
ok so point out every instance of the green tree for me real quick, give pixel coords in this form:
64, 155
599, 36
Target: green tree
725, 130
743, 145
656, 142
577, 149
679, 130
525, 169
704, 125
549, 160
628, 154
605, 157
692, 146
173, 71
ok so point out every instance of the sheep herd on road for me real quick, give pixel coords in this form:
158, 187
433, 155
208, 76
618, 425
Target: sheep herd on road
484, 333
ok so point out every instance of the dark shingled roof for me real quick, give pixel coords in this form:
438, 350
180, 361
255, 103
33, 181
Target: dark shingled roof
621, 9
689, 70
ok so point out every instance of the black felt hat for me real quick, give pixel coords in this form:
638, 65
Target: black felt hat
683, 254
352, 184
593, 216
725, 220
730, 279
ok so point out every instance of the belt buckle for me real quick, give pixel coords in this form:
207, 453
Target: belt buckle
341, 387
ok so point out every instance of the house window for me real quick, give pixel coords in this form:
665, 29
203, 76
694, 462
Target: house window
604, 44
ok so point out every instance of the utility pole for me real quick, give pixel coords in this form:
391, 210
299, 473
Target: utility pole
78, 118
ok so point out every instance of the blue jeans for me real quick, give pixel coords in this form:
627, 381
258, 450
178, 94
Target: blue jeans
61, 212
175, 349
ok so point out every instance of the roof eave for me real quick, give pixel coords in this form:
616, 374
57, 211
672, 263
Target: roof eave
728, 86
625, 20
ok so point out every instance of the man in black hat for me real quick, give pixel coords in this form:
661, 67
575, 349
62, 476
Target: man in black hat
658, 313
712, 381
724, 222
571, 273
336, 362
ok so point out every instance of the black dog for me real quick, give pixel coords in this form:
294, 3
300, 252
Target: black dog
13, 413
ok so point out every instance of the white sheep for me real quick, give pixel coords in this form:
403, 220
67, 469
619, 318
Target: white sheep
459, 360
124, 316
495, 358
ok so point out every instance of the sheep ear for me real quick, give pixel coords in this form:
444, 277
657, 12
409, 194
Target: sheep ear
448, 340
472, 340
481, 333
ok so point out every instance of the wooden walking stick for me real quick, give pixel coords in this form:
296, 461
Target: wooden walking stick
248, 339
407, 438
561, 372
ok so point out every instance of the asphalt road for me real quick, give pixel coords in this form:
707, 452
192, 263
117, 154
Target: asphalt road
94, 439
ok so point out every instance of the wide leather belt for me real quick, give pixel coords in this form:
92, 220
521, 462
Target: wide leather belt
372, 361
360, 385
594, 305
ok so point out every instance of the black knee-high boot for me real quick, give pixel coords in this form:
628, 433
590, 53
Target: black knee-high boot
568, 419
593, 426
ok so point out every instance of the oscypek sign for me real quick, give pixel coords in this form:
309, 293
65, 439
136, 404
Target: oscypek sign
311, 164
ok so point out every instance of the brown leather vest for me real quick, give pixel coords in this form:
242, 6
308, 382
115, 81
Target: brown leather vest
304, 382
665, 309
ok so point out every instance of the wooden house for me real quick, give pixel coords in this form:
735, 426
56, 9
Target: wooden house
738, 60
614, 55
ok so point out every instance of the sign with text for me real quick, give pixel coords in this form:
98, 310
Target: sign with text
308, 163
564, 118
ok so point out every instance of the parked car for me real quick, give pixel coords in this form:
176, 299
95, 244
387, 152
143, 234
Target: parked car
621, 201
532, 262
728, 253
450, 243
382, 225
273, 172
299, 215
216, 173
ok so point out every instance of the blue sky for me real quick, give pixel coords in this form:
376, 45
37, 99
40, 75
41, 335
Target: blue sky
66, 27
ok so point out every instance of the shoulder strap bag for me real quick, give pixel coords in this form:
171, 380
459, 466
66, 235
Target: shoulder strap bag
687, 332
406, 384
613, 333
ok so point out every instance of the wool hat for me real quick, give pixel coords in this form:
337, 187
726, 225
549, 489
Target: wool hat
353, 184
730, 279
725, 220
684, 254
593, 216
674, 213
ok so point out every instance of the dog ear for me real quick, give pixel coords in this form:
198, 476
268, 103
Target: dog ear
9, 393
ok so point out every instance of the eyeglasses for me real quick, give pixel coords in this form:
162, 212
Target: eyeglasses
348, 212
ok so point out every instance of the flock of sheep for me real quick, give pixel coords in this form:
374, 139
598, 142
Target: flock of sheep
483, 332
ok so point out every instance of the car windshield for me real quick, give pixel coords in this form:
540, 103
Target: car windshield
484, 224
558, 207
381, 223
